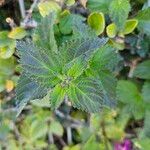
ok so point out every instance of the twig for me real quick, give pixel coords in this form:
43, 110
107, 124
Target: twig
69, 135
60, 114
50, 138
28, 22
132, 66
22, 8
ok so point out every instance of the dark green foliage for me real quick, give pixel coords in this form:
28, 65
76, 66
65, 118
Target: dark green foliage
65, 68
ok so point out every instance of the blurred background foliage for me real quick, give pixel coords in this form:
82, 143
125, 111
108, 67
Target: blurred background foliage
125, 126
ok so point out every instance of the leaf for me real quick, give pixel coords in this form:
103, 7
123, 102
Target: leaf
65, 24
86, 94
39, 64
105, 58
74, 48
4, 39
17, 33
56, 128
143, 70
7, 51
130, 25
99, 5
118, 11
47, 7
146, 92
76, 67
27, 90
46, 31
7, 66
57, 96
97, 22
70, 2
80, 29
111, 30
38, 129
143, 144
108, 83
91, 143
127, 92
145, 133
143, 17
44, 102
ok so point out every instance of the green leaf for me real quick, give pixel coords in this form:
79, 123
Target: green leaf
7, 66
74, 48
38, 129
143, 144
111, 30
4, 39
92, 143
39, 64
130, 25
146, 91
46, 31
118, 11
99, 5
56, 128
145, 133
27, 90
57, 96
65, 24
70, 2
108, 83
127, 92
143, 70
97, 22
76, 67
86, 94
7, 51
144, 20
44, 102
47, 7
17, 33
105, 58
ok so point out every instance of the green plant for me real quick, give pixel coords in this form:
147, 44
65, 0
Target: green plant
68, 71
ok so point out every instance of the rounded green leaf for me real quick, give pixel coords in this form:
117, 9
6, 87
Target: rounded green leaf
17, 33
111, 30
7, 51
48, 6
143, 70
4, 40
97, 22
130, 25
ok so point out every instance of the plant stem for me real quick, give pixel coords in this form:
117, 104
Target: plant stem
69, 135
22, 8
